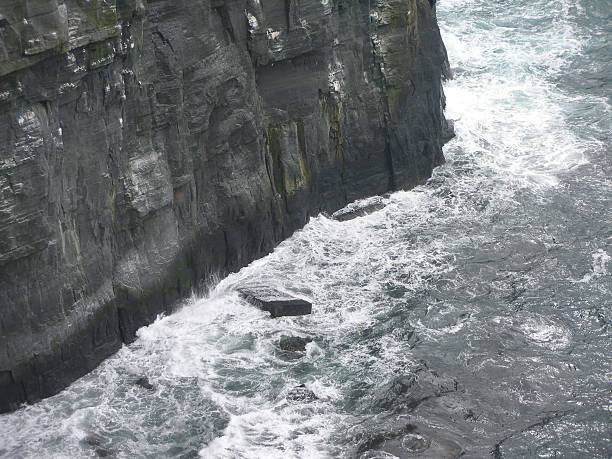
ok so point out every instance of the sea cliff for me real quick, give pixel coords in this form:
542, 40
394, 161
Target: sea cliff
146, 146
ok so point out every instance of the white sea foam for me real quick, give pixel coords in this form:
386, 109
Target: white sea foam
509, 117
545, 332
599, 267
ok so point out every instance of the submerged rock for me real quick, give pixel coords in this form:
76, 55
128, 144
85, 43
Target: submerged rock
405, 393
93, 439
408, 441
358, 210
103, 452
143, 382
277, 303
301, 394
97, 442
295, 344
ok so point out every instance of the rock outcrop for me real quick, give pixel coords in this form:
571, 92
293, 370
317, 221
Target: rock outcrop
277, 303
146, 145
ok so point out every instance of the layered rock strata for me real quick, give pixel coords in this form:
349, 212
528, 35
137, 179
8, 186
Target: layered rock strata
148, 145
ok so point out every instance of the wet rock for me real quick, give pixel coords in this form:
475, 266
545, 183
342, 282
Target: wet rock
294, 344
97, 443
301, 394
448, 133
409, 441
406, 392
277, 303
103, 452
358, 210
144, 383
93, 439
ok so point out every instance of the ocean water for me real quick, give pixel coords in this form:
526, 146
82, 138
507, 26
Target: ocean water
472, 315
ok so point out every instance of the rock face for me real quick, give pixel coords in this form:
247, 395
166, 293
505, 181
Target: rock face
145, 145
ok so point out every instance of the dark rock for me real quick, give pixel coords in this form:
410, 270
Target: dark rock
355, 210
300, 394
97, 442
145, 146
400, 443
93, 439
405, 393
407, 442
277, 303
448, 133
103, 452
144, 383
295, 344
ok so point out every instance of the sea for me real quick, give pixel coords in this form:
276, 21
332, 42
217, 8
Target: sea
470, 317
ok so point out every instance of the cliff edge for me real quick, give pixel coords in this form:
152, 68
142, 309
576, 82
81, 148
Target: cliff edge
147, 145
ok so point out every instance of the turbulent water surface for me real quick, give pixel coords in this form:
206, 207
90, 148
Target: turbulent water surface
471, 315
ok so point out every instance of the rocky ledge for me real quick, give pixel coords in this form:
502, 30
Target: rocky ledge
148, 145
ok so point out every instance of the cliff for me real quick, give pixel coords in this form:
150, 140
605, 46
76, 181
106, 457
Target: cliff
145, 146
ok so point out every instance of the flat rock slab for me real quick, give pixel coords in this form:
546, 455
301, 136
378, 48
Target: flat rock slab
358, 210
277, 303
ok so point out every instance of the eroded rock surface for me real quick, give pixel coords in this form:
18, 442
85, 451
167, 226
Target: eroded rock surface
147, 145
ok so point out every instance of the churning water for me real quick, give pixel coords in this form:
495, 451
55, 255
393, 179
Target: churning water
471, 315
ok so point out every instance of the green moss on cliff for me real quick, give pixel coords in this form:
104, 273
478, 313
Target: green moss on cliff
414, 14
275, 150
398, 49
303, 159
393, 95
98, 15
290, 172
334, 115
400, 14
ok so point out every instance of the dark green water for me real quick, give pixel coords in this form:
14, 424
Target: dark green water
470, 316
